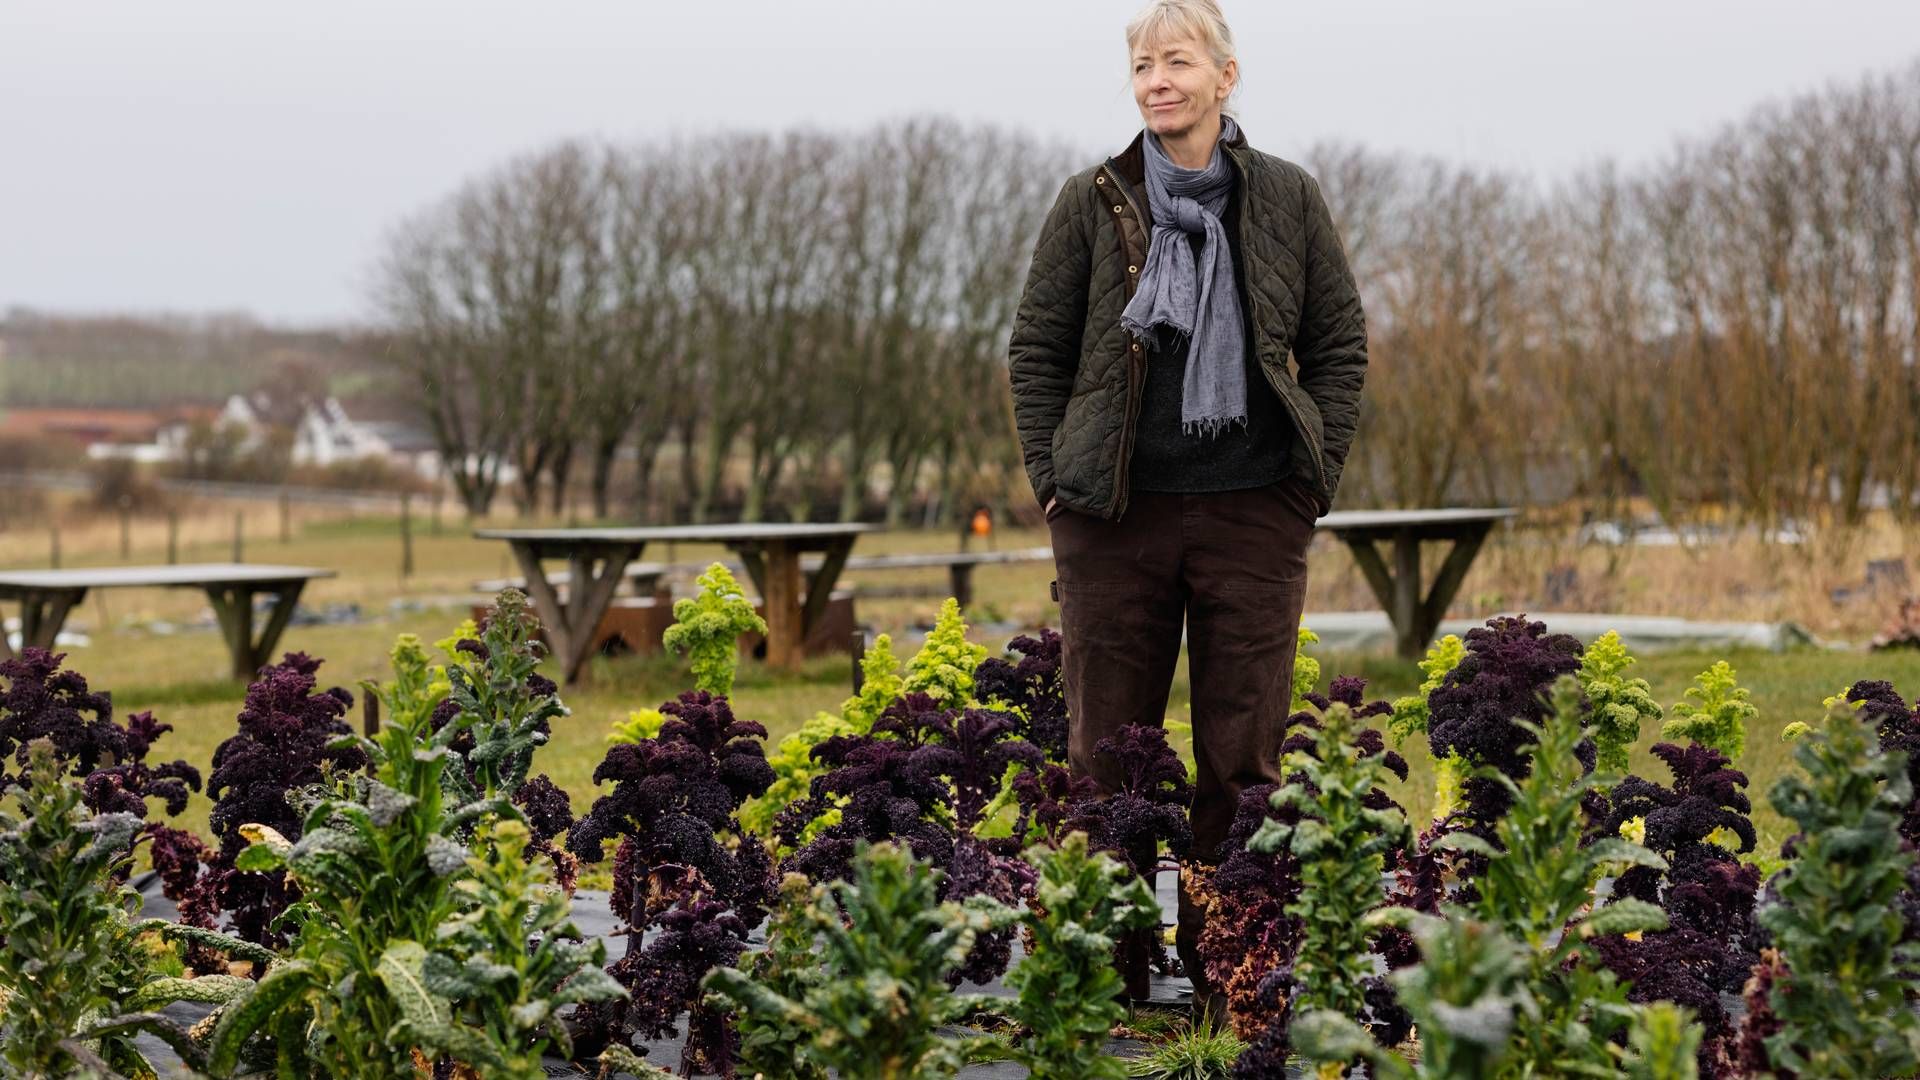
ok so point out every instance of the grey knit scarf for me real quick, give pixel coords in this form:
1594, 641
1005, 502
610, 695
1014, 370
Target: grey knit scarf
1198, 302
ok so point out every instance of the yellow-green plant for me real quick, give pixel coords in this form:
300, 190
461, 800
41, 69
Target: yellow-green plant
1410, 712
1716, 712
943, 668
1306, 669
639, 726
708, 626
1619, 703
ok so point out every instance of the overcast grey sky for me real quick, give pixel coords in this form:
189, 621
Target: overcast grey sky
195, 155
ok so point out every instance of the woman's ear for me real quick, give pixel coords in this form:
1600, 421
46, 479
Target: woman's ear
1229, 78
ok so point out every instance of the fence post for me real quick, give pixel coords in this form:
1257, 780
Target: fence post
238, 516
406, 534
173, 536
286, 515
126, 530
54, 530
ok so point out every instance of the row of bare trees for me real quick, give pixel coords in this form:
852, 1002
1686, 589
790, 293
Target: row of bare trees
792, 311
1733, 329
1730, 331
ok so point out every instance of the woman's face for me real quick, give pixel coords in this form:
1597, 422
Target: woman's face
1177, 85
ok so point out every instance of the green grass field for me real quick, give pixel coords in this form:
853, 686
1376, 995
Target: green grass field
179, 676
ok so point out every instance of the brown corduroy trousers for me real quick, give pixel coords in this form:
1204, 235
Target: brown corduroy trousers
1229, 566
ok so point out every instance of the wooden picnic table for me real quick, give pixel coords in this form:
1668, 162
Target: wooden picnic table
1415, 616
597, 559
47, 596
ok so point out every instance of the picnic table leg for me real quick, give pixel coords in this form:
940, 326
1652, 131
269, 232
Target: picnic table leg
780, 591
820, 586
1416, 618
570, 627
42, 613
233, 606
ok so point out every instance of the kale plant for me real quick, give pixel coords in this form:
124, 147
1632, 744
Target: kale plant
504, 967
1842, 1009
1898, 727
708, 626
1340, 837
684, 864
1067, 986
42, 701
504, 705
886, 946
1537, 884
376, 866
943, 668
1031, 688
290, 739
1619, 704
1708, 894
78, 982
673, 799
773, 1044
1466, 996
1480, 710
1716, 713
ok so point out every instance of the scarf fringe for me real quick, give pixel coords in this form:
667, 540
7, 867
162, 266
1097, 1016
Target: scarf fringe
1212, 426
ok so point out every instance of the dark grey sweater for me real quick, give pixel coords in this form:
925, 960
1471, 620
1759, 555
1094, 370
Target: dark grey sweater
1167, 459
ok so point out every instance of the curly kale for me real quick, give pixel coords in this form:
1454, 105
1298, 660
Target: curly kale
1686, 823
1033, 688
281, 746
697, 935
43, 701
1247, 932
889, 791
1145, 801
1509, 665
672, 797
1898, 727
973, 752
1048, 798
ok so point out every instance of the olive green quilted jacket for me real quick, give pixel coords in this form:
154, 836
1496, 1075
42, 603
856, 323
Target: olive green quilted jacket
1078, 374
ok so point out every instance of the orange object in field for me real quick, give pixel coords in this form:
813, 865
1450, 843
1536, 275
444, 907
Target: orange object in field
982, 522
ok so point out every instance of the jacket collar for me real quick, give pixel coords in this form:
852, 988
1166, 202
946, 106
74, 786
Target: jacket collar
1131, 163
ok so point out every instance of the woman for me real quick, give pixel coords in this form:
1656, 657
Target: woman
1181, 465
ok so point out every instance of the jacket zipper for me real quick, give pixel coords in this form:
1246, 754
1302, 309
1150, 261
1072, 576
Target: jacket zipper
1136, 359
1299, 421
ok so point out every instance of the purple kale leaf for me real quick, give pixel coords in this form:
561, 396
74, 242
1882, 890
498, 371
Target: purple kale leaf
696, 935
280, 747
1509, 665
673, 797
1145, 801
1033, 686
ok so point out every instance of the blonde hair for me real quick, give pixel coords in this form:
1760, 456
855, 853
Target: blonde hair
1176, 20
